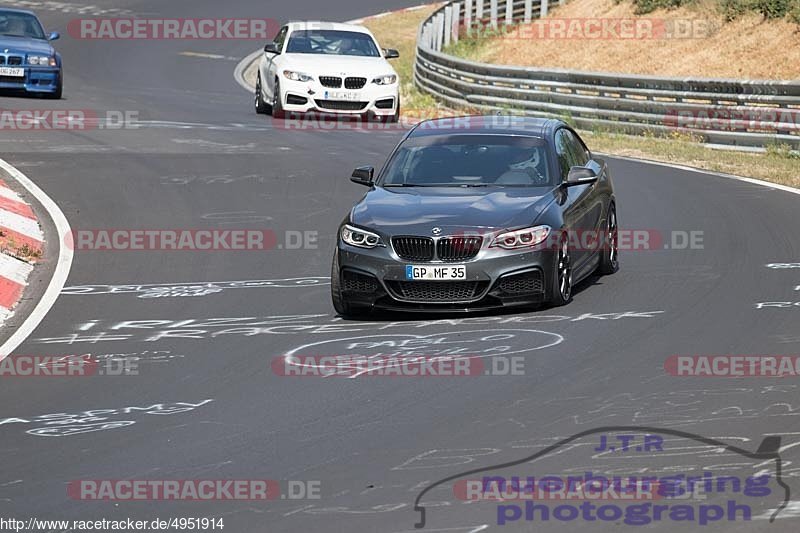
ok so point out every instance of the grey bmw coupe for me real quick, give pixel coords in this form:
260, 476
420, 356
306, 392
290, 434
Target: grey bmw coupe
472, 213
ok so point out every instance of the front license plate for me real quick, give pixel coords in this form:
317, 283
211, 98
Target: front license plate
8, 71
341, 95
440, 273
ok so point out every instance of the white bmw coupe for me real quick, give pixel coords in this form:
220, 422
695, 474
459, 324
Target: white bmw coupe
327, 67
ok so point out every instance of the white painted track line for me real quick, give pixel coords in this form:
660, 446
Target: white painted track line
62, 268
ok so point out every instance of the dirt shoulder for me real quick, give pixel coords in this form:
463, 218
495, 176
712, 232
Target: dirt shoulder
691, 41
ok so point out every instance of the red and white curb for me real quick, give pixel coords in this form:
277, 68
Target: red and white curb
22, 236
19, 230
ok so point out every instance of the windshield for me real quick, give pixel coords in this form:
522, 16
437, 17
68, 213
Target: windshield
14, 24
332, 42
468, 161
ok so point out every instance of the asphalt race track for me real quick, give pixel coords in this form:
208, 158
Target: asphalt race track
206, 403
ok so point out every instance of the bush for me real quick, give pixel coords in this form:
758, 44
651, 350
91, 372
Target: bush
771, 9
648, 6
733, 9
794, 12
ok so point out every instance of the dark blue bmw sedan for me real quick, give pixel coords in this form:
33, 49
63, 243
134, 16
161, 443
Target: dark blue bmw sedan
28, 61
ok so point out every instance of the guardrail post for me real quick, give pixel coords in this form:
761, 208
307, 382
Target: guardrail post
543, 10
493, 12
509, 12
528, 10
479, 11
468, 17
439, 32
454, 27
448, 25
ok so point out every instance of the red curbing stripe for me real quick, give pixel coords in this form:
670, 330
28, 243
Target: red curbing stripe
19, 208
10, 292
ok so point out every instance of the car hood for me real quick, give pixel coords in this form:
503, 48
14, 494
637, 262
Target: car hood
21, 45
416, 211
331, 65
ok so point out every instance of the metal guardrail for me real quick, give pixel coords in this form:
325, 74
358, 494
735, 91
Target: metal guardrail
749, 113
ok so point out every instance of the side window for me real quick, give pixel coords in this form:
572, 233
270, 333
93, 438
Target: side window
281, 37
579, 153
565, 156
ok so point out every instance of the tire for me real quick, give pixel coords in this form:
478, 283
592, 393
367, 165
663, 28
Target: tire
277, 104
260, 105
342, 307
609, 256
561, 289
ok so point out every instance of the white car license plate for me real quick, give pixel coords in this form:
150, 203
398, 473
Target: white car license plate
342, 95
8, 71
435, 272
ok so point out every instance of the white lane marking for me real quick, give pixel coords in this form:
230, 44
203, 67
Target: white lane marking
200, 288
242, 66
778, 186
63, 264
14, 269
792, 511
208, 56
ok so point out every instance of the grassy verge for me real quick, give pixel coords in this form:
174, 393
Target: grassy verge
778, 165
399, 30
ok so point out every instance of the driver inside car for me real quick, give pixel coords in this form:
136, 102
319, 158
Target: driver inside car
526, 168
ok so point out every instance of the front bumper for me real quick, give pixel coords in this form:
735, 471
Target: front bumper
376, 278
35, 80
305, 97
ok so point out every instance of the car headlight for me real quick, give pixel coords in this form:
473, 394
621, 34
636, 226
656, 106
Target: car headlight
42, 60
521, 238
385, 80
360, 238
297, 76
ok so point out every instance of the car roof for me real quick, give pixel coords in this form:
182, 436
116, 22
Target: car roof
323, 25
14, 10
486, 124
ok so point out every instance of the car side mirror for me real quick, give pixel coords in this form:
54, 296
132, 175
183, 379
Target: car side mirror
54, 36
271, 48
390, 53
363, 176
580, 176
